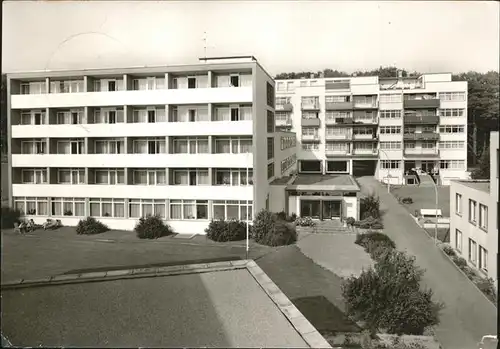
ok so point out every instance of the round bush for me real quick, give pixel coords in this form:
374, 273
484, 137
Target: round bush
283, 234
152, 227
90, 226
262, 224
221, 231
9, 217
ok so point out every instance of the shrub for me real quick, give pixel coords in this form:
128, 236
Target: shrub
448, 250
459, 261
90, 226
369, 223
487, 286
293, 217
9, 217
370, 206
388, 296
305, 222
350, 221
152, 227
285, 217
375, 243
407, 200
269, 230
221, 231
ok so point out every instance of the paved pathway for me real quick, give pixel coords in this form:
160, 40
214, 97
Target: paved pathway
336, 252
468, 314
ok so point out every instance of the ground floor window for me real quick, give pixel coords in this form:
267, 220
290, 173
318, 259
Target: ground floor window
147, 207
458, 240
32, 206
472, 251
107, 207
68, 207
310, 166
336, 166
390, 164
232, 209
483, 258
188, 209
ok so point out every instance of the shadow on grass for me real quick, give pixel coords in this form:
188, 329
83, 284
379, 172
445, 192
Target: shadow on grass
325, 316
154, 265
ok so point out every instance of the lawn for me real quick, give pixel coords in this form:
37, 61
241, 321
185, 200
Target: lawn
424, 198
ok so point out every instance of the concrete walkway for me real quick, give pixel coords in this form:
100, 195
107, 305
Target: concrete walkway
336, 252
468, 314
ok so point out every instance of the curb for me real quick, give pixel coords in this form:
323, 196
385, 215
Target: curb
463, 273
125, 274
305, 329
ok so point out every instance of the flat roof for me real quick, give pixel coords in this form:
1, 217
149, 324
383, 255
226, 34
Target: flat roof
324, 182
281, 181
212, 309
478, 185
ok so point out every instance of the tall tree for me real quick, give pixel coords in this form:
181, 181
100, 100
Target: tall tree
3, 115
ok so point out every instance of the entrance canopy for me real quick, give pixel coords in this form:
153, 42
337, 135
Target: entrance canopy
313, 182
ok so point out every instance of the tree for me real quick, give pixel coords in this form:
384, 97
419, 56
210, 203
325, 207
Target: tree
483, 171
3, 116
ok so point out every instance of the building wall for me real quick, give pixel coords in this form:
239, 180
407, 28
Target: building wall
494, 206
488, 239
430, 83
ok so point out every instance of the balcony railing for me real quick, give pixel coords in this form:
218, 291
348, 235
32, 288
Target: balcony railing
335, 137
421, 151
424, 136
284, 107
310, 138
366, 105
315, 122
421, 103
339, 106
310, 105
367, 152
368, 137
332, 152
371, 121
421, 119
281, 123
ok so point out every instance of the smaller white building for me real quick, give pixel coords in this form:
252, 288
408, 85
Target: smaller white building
474, 218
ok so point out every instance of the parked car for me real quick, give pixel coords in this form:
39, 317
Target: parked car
488, 342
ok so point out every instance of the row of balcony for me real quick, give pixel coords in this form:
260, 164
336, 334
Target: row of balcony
313, 105
340, 137
410, 152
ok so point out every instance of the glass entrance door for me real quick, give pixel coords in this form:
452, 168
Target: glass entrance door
427, 166
310, 208
332, 209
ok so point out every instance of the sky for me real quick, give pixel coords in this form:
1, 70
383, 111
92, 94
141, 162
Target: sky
285, 36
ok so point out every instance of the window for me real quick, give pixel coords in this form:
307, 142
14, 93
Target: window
452, 164
188, 209
390, 98
232, 209
390, 114
472, 251
270, 148
312, 146
233, 113
333, 115
234, 80
191, 82
190, 177
68, 207
149, 177
454, 112
33, 147
283, 100
310, 131
109, 176
32, 206
337, 99
73, 146
451, 144
452, 129
337, 147
69, 86
72, 117
392, 145
33, 117
112, 85
108, 116
390, 164
288, 142
270, 122
458, 240
149, 83
458, 204
147, 207
270, 95
483, 258
107, 207
109, 147
149, 146
472, 211
452, 96
310, 115
33, 88
270, 170
190, 145
233, 177
232, 145
390, 130
34, 176
483, 216
70, 176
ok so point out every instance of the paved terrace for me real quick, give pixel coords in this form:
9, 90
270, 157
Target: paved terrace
234, 304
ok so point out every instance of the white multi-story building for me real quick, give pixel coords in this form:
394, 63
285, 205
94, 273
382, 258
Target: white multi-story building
377, 126
189, 143
474, 218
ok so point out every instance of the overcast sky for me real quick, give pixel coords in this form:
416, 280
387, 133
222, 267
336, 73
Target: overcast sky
429, 36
